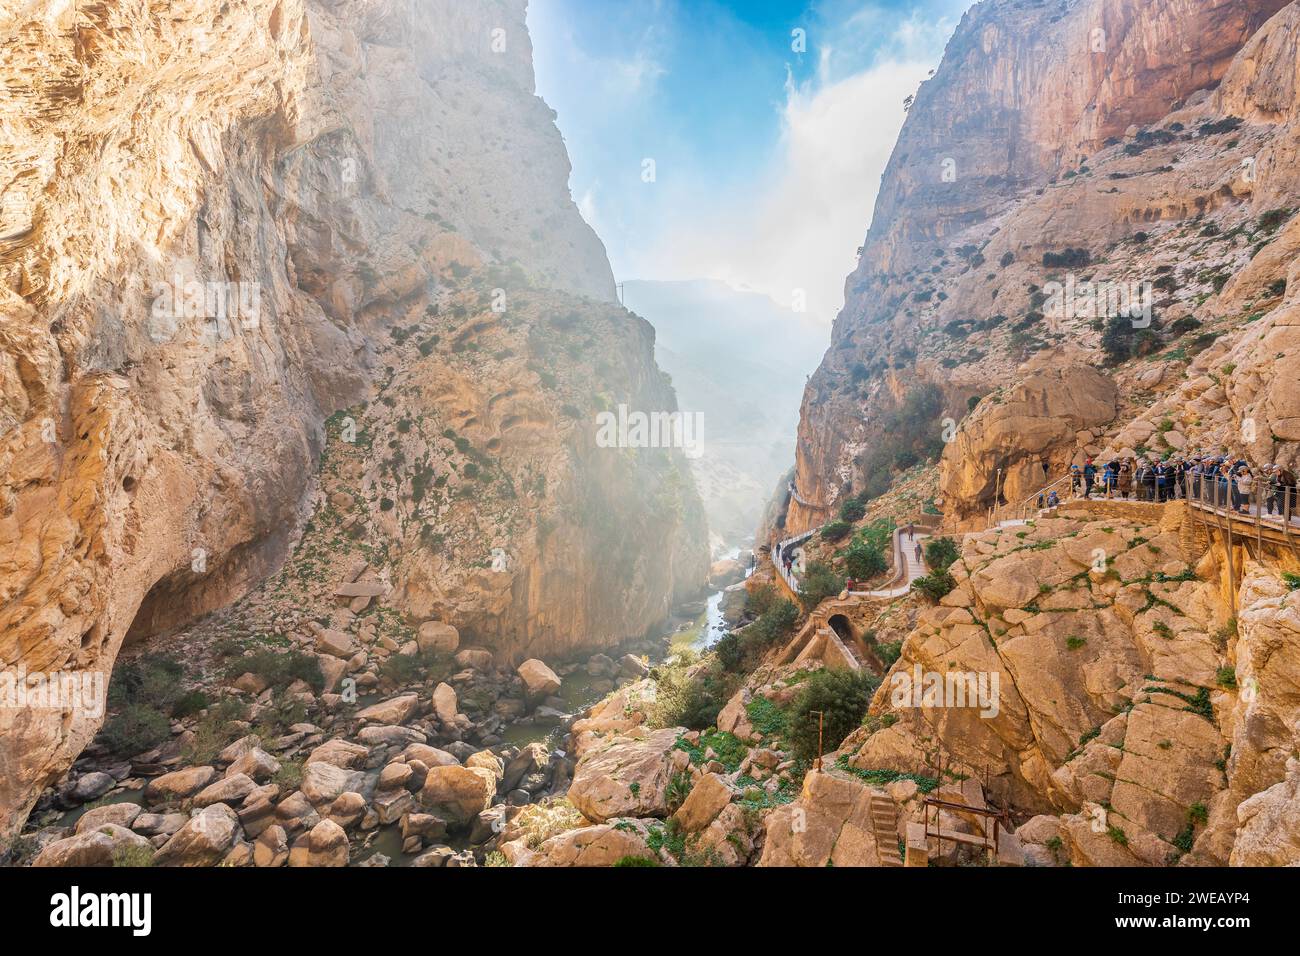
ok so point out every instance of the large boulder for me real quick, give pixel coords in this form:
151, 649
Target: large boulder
829, 823
445, 704
602, 845
322, 783
707, 799
256, 764
539, 680
436, 637
122, 814
627, 778
93, 847
230, 790
325, 846
203, 841
1027, 439
394, 711
458, 794
338, 752
179, 784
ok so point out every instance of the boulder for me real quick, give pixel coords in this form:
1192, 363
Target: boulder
830, 823
203, 841
429, 756
96, 847
445, 703
394, 776
159, 824
257, 764
92, 786
602, 845
436, 637
227, 790
271, 848
459, 794
539, 680
533, 758
339, 753
121, 814
394, 711
628, 778
630, 665
475, 658
325, 846
322, 783
179, 784
707, 799
335, 644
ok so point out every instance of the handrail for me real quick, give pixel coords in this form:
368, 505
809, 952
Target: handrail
1014, 510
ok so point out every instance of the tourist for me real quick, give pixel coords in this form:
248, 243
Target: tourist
1243, 489
1089, 477
1289, 493
1126, 478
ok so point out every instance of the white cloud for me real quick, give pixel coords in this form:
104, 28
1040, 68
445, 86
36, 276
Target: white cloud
801, 229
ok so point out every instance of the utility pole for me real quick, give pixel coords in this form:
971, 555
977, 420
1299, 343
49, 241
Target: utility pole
620, 295
821, 724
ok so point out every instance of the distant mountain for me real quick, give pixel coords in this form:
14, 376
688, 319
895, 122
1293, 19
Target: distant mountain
742, 360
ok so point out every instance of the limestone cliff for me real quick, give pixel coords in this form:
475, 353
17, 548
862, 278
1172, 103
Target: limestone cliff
1132, 142
224, 223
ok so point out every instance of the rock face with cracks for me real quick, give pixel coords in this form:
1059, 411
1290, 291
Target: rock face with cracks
197, 271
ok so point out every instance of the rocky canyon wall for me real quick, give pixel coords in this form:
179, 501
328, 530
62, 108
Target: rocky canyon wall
220, 224
1052, 127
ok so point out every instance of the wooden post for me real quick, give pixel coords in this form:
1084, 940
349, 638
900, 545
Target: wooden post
821, 718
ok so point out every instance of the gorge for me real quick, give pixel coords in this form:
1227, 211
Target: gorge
369, 586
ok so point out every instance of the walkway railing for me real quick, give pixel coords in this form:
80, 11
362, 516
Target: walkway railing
790, 547
1024, 510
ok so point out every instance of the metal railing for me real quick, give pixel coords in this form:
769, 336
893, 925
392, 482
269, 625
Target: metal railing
1023, 510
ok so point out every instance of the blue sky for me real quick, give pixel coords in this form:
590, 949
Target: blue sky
766, 159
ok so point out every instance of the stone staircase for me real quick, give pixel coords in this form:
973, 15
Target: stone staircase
884, 826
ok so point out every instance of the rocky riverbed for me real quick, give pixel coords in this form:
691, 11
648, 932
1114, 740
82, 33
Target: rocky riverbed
404, 776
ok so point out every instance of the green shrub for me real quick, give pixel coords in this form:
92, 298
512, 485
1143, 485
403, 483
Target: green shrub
836, 531
424, 667
135, 729
941, 554
889, 652
935, 586
280, 669
154, 682
864, 561
686, 696
841, 696
191, 703
761, 599
730, 650
636, 861
819, 582
853, 510
1117, 339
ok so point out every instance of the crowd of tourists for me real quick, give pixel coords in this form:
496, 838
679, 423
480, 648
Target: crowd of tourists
1221, 481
